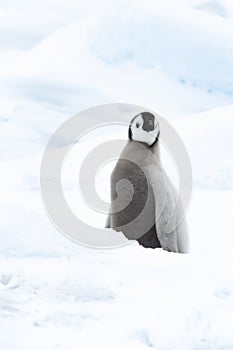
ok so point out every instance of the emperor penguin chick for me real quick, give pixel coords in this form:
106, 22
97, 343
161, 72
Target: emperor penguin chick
144, 202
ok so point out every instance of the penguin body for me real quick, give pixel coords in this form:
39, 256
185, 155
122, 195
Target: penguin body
143, 199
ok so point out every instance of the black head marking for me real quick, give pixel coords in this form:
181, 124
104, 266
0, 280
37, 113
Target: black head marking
130, 133
148, 121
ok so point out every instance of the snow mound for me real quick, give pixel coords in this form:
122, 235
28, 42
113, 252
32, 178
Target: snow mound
208, 138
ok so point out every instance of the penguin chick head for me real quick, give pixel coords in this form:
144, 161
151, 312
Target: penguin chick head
144, 127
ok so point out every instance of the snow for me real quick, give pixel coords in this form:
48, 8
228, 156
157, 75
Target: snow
211, 163
102, 299
56, 59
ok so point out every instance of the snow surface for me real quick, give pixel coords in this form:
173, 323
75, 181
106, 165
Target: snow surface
56, 58
126, 298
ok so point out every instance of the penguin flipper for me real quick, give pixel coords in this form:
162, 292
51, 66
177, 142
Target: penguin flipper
108, 222
164, 199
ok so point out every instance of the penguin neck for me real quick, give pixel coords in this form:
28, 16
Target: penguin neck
155, 149
141, 151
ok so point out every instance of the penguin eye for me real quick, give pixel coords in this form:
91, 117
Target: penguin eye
137, 125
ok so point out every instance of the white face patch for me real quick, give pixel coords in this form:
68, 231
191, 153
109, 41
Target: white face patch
141, 135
